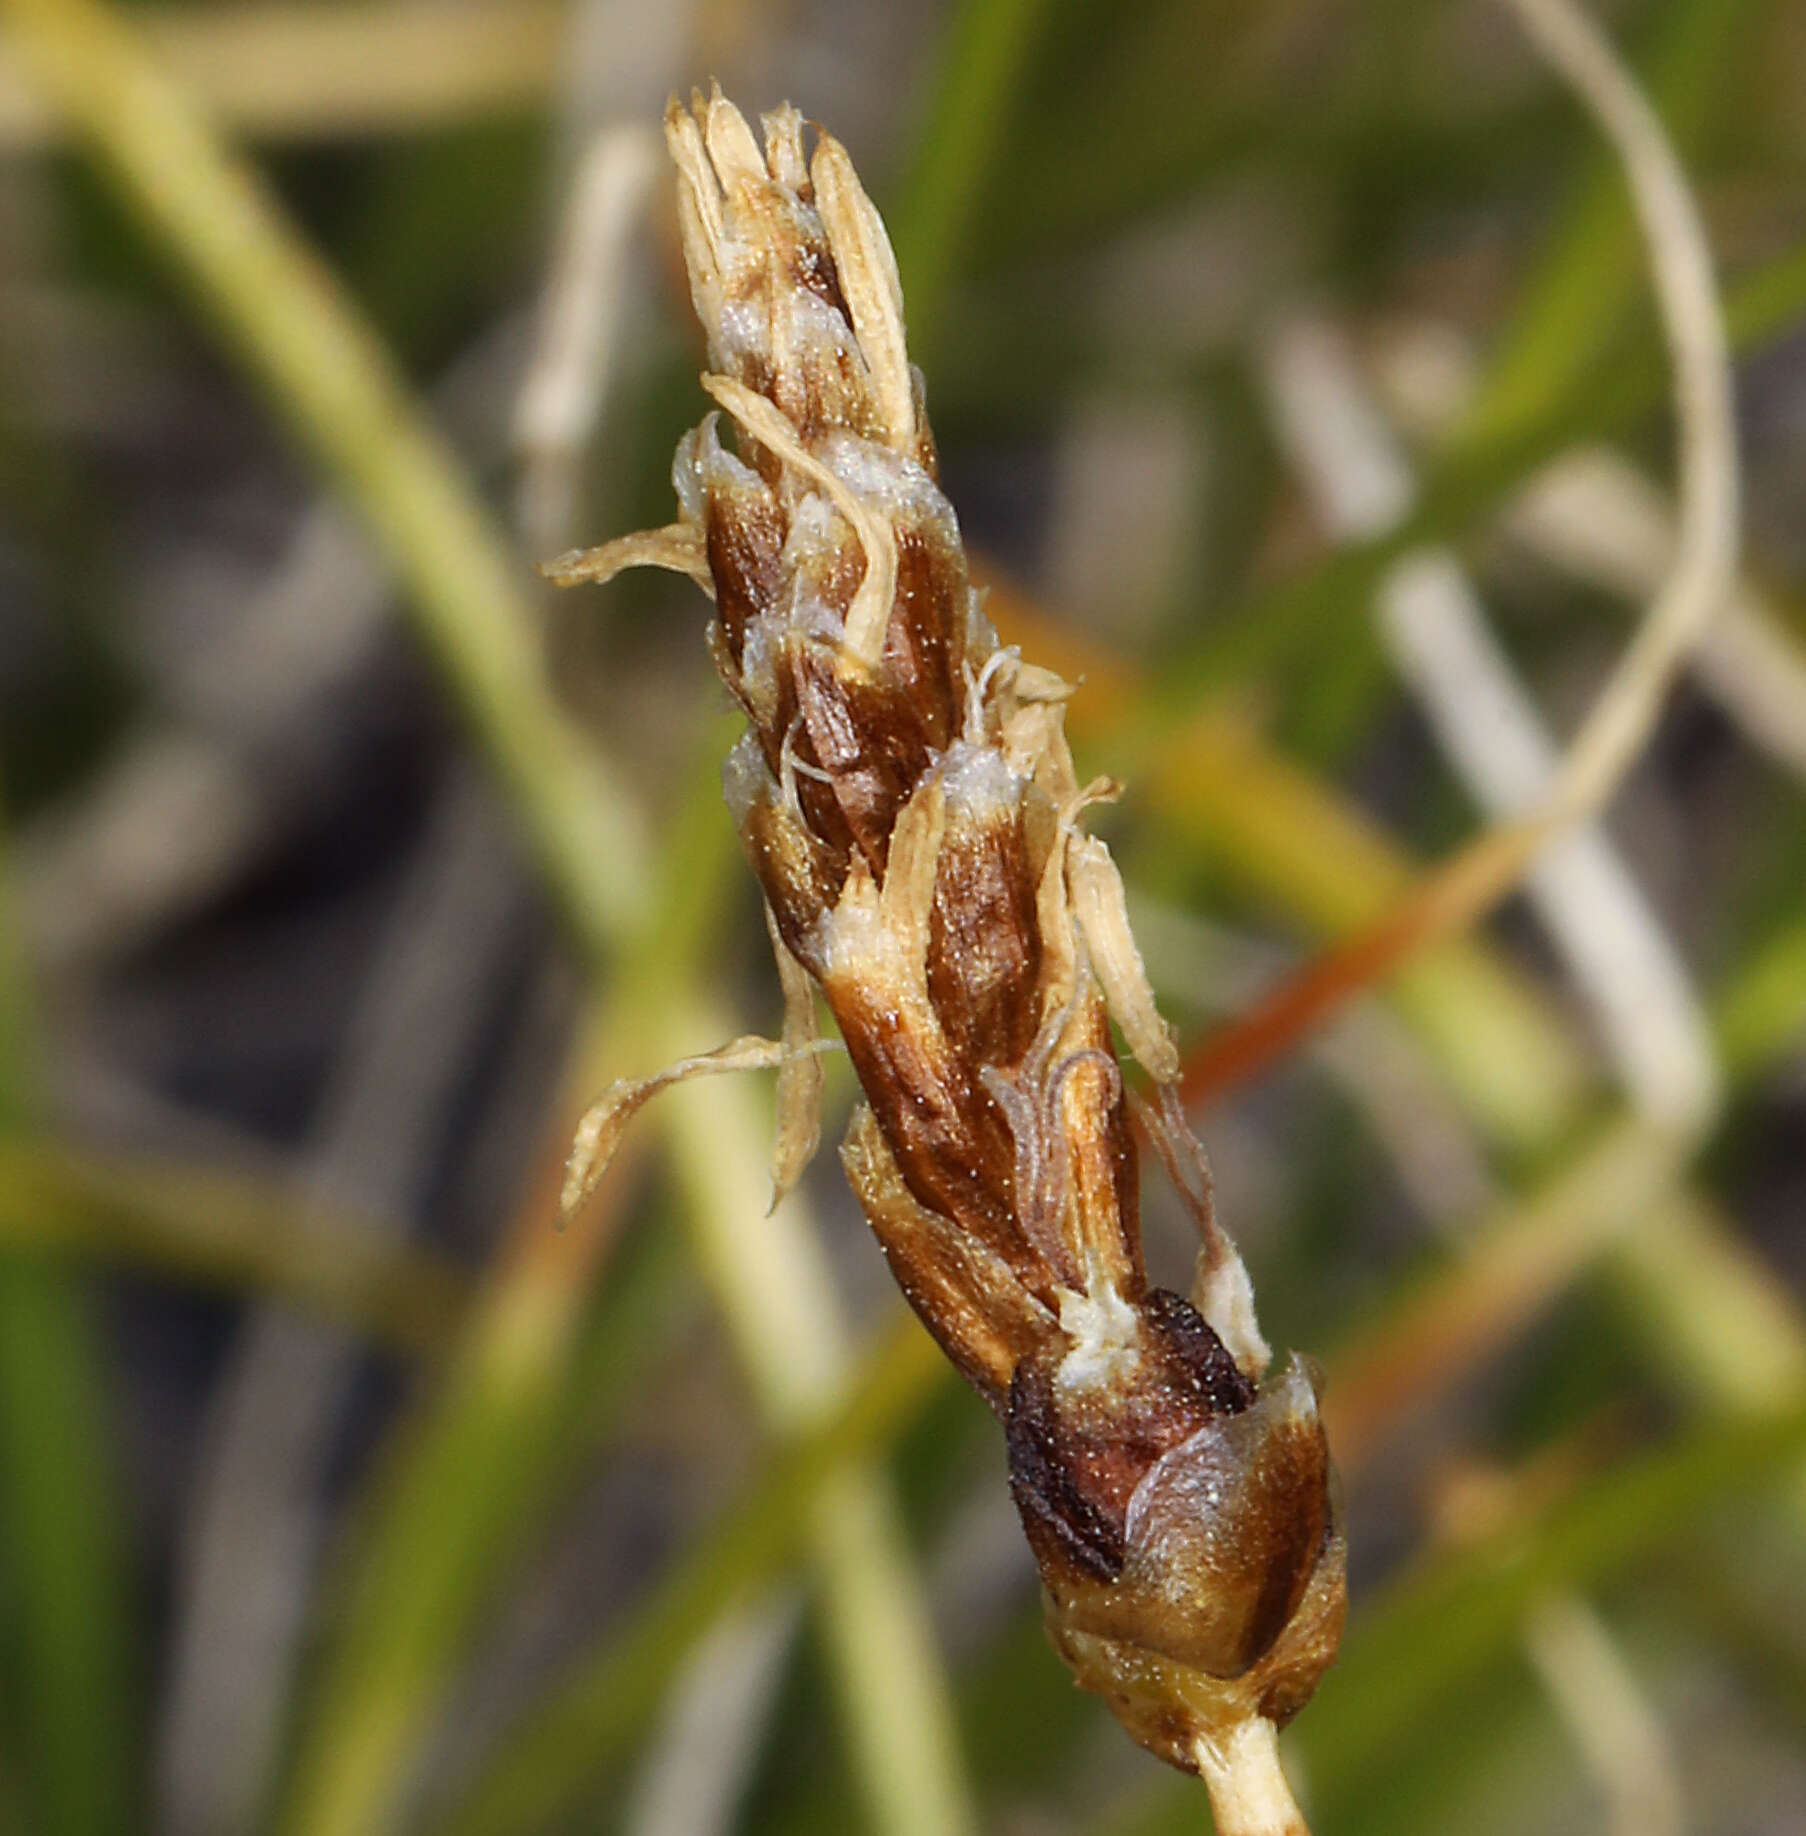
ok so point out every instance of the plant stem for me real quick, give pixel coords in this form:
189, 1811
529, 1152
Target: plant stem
1248, 1790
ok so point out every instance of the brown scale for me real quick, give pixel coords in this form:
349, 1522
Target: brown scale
745, 538
921, 645
874, 746
984, 947
949, 1142
1075, 1468
801, 876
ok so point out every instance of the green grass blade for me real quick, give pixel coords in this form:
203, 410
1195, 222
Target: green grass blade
64, 1594
979, 60
333, 383
1590, 272
65, 1590
223, 1231
585, 1727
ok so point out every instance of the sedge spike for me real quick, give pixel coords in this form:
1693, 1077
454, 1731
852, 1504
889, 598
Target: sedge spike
905, 795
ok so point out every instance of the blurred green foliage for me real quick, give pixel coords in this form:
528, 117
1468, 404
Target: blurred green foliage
1399, 164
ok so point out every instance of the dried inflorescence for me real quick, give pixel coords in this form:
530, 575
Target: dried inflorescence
905, 795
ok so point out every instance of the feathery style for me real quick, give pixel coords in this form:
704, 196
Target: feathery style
905, 795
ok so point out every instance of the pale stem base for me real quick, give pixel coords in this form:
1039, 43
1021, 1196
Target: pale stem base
1248, 1789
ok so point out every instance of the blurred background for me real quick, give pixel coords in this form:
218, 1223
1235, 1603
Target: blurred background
1297, 384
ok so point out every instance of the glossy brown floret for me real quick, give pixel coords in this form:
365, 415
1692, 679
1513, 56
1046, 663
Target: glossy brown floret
906, 798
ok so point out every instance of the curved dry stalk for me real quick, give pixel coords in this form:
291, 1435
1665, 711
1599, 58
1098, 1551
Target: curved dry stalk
1704, 570
1440, 638
1705, 559
1596, 516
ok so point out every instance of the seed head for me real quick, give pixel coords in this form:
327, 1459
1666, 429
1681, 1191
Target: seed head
905, 796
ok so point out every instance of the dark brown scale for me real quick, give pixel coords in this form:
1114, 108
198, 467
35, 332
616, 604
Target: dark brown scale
812, 267
813, 400
821, 806
1293, 1528
754, 369
1196, 1362
984, 945
1125, 1163
745, 541
918, 647
810, 264
1075, 1461
1066, 1528
813, 397
870, 741
951, 1144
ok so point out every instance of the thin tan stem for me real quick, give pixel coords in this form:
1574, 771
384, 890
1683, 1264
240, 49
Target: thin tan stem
1441, 641
1607, 1713
1462, 890
1705, 558
582, 313
1249, 1795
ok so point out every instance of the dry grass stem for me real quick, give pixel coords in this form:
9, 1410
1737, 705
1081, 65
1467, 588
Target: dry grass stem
1596, 516
580, 314
710, 1732
1441, 641
1612, 941
1705, 557
1612, 1722
1705, 560
905, 795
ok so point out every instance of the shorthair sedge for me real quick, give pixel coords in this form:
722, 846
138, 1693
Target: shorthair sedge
905, 795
